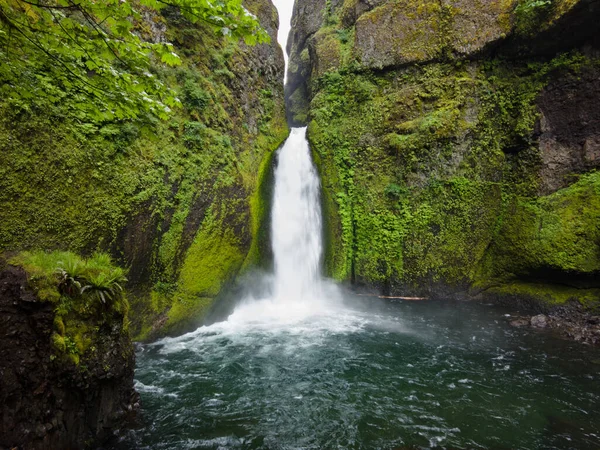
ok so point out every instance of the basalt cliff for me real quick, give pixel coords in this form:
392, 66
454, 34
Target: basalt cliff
458, 143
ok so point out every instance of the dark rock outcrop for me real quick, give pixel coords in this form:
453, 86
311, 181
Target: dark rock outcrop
46, 401
570, 129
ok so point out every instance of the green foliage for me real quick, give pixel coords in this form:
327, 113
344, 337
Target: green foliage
74, 276
194, 97
193, 134
105, 286
531, 15
88, 301
343, 35
430, 174
395, 191
528, 5
149, 183
91, 54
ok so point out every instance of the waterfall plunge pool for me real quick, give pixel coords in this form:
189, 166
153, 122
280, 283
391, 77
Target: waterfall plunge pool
386, 375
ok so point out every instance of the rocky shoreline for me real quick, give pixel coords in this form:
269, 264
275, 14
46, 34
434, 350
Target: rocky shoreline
571, 321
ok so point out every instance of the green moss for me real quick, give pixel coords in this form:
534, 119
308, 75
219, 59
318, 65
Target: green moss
59, 325
419, 168
547, 294
214, 256
186, 311
142, 189
73, 284
260, 207
533, 16
557, 232
58, 343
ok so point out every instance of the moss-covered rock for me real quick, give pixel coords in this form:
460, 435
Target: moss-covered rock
164, 198
453, 170
555, 234
67, 359
386, 34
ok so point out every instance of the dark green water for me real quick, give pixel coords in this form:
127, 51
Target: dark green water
403, 375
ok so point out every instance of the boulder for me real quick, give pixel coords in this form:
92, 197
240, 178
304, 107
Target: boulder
539, 321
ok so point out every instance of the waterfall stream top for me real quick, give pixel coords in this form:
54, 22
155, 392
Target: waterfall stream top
296, 224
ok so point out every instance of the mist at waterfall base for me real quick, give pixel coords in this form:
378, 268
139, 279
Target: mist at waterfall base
300, 364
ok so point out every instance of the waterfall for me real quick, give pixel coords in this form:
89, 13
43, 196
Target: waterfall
296, 222
296, 291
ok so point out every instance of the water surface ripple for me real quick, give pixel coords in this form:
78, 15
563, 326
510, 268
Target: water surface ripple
416, 375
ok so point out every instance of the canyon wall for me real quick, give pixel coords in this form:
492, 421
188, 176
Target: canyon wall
175, 201
458, 143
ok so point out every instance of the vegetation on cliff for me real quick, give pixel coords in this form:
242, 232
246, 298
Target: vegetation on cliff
94, 54
86, 294
442, 170
164, 197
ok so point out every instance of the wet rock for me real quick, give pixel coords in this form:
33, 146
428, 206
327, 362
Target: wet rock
571, 321
398, 33
594, 320
48, 402
519, 322
539, 321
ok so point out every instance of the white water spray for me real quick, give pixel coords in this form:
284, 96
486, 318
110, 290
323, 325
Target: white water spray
298, 290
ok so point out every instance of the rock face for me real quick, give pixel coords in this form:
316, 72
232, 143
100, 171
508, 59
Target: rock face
177, 202
47, 402
457, 143
399, 33
384, 34
570, 129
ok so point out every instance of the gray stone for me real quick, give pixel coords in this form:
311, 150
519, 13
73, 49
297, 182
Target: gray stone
539, 321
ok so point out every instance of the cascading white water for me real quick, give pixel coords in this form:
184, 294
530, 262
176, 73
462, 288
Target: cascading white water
297, 289
296, 222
